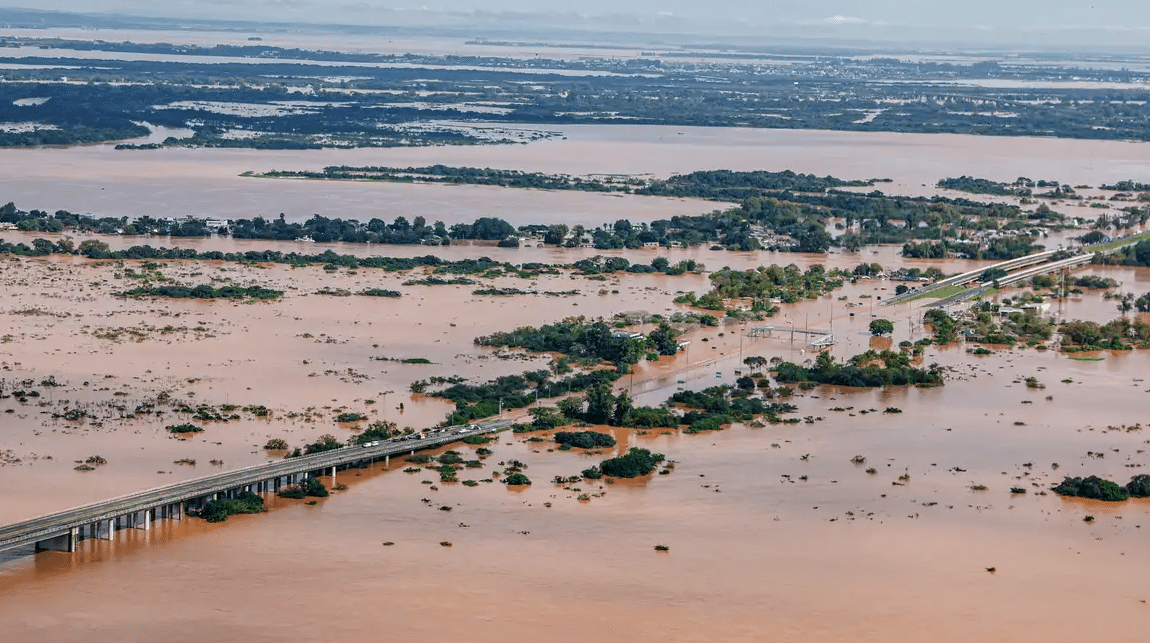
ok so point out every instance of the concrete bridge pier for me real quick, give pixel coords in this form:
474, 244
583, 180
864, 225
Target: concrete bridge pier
105, 529
142, 520
65, 542
333, 476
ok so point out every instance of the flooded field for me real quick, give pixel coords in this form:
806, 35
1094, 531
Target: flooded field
206, 182
773, 532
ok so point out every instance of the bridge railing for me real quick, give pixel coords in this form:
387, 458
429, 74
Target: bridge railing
32, 529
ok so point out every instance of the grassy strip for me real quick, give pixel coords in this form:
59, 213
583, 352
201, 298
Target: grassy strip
940, 293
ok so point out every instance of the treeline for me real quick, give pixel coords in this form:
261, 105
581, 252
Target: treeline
581, 338
774, 220
869, 369
716, 185
1135, 255
1097, 488
464, 176
1126, 186
1119, 334
998, 248
204, 291
478, 401
94, 249
1021, 187
788, 284
729, 185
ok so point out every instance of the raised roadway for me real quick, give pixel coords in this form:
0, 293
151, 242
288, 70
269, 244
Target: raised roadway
61, 524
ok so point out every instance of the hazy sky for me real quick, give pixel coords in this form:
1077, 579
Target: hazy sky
994, 21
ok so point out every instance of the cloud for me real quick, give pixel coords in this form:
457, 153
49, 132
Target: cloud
845, 20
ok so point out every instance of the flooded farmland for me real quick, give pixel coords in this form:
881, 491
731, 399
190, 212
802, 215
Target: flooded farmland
771, 531
207, 182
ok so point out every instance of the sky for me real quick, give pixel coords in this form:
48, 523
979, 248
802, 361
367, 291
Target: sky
992, 22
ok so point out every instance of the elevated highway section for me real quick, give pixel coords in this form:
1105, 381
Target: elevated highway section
63, 530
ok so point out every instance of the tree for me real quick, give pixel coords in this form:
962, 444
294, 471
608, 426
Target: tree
1126, 304
600, 403
91, 248
555, 234
664, 339
571, 407
623, 408
1143, 303
881, 327
755, 361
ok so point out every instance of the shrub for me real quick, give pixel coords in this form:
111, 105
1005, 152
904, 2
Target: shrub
276, 444
450, 457
245, 503
1091, 487
350, 417
184, 428
637, 462
585, 439
1139, 486
517, 479
477, 439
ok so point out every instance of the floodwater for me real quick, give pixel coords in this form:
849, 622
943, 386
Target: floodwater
207, 182
757, 551
774, 534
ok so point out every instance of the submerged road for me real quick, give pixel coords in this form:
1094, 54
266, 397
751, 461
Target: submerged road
60, 530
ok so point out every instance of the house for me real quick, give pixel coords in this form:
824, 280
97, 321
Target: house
651, 245
627, 334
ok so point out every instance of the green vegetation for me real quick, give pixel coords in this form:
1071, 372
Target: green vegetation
350, 417
880, 327
516, 479
585, 439
204, 291
940, 293
1092, 487
637, 462
764, 286
869, 369
379, 292
309, 487
326, 442
379, 430
1113, 335
276, 444
1022, 187
180, 429
575, 337
245, 502
477, 439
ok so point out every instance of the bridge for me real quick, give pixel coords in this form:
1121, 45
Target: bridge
62, 531
973, 275
822, 338
1014, 278
1086, 254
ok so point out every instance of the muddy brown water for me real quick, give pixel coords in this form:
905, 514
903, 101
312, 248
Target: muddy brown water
756, 551
206, 182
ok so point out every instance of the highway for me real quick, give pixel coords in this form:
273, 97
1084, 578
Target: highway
62, 523
1086, 254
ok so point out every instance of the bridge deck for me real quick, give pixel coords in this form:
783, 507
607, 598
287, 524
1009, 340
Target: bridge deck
56, 524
